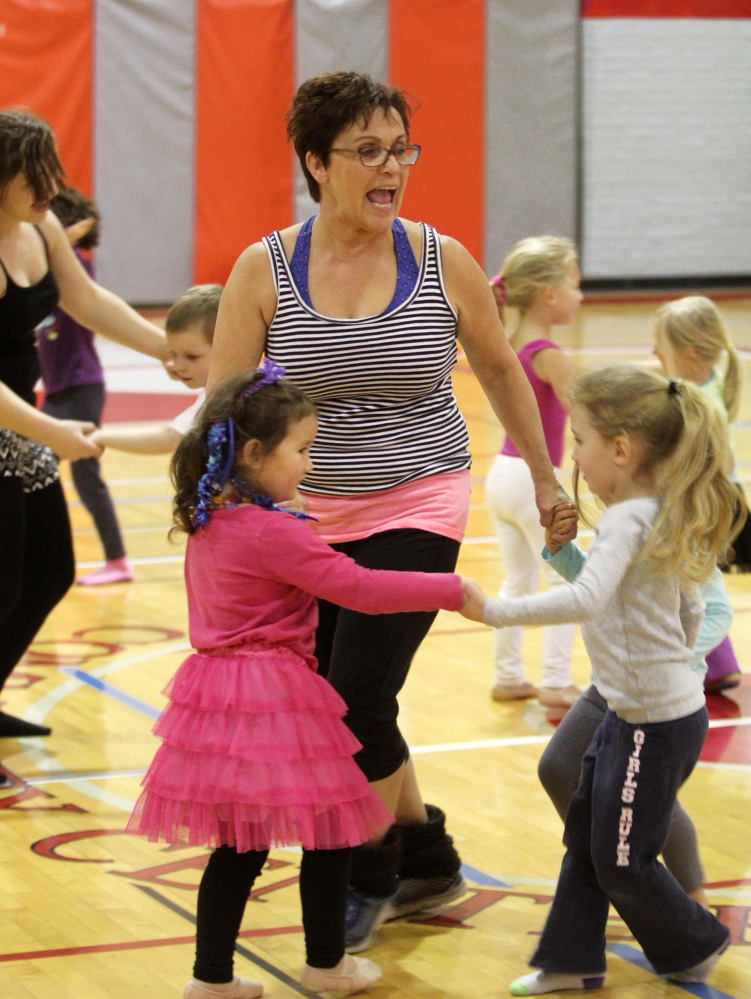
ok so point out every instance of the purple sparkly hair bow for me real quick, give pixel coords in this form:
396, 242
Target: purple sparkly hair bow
269, 372
221, 446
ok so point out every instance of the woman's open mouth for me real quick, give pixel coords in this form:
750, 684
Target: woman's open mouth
382, 196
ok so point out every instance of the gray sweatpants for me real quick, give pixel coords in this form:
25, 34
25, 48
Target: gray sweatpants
559, 769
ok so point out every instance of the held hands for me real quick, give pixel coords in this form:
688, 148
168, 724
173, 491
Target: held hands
72, 439
548, 496
563, 527
474, 601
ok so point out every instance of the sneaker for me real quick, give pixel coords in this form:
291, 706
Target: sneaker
700, 972
727, 682
421, 894
364, 916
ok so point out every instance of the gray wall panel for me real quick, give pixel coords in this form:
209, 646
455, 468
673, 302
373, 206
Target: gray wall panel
531, 122
143, 146
667, 147
334, 35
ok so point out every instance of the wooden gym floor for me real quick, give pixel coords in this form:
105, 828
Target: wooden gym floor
89, 913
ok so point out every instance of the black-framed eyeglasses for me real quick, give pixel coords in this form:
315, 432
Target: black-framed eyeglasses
376, 156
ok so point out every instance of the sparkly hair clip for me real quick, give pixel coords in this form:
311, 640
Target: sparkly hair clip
269, 372
218, 470
221, 444
500, 289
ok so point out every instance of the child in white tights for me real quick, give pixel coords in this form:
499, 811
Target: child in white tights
540, 279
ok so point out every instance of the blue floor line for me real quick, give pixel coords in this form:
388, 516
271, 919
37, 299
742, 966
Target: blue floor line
634, 956
114, 692
481, 878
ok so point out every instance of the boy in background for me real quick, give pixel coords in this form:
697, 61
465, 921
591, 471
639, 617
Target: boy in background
190, 332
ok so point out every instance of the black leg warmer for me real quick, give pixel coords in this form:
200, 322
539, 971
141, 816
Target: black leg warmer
427, 849
375, 869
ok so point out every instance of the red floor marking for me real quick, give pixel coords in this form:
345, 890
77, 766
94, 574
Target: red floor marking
732, 744
32, 955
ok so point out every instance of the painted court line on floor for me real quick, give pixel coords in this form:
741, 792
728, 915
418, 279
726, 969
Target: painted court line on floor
634, 956
626, 952
447, 747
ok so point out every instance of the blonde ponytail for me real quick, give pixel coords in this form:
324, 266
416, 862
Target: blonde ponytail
533, 264
684, 444
694, 323
697, 521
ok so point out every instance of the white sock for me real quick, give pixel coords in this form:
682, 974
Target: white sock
700, 972
538, 982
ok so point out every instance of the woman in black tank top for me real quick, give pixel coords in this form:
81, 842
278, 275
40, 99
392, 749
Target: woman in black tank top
37, 270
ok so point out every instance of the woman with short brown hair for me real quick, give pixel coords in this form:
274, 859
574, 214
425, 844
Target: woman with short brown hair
364, 309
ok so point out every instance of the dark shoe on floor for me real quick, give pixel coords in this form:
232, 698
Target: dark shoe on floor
727, 682
423, 894
17, 728
364, 916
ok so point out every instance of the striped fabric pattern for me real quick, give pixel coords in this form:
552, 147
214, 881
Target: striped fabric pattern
382, 384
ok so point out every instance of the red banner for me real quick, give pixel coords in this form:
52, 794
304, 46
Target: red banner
437, 52
244, 85
46, 67
667, 8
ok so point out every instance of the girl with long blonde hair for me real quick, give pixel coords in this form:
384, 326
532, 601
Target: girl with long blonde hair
655, 452
691, 341
539, 283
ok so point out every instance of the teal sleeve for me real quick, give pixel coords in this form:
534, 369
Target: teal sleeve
718, 616
568, 562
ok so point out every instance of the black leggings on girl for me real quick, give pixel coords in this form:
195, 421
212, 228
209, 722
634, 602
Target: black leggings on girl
224, 890
36, 564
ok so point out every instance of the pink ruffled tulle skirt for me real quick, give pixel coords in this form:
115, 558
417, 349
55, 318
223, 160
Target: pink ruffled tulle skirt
255, 754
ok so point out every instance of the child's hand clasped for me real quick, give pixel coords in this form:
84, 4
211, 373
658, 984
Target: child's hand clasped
474, 601
563, 527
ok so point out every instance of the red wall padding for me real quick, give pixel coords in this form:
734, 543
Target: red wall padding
437, 52
46, 56
667, 8
244, 84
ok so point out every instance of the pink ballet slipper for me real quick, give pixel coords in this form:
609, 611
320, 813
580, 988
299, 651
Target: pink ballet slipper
117, 570
238, 988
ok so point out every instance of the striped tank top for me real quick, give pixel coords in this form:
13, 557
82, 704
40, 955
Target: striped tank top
382, 384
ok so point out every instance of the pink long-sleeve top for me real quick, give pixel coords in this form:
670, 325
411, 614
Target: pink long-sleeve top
253, 575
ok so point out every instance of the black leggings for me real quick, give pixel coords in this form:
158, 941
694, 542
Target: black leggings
36, 564
85, 402
225, 886
366, 657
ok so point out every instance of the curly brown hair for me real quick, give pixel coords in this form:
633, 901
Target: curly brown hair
325, 105
27, 146
71, 206
265, 416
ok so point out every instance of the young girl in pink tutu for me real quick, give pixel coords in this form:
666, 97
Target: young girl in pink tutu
255, 753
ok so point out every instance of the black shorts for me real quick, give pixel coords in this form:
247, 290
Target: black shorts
366, 657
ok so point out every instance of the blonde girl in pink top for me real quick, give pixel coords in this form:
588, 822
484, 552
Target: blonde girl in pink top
255, 753
540, 279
